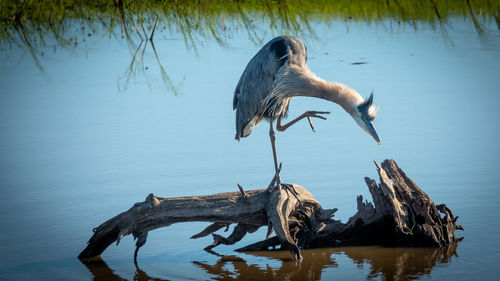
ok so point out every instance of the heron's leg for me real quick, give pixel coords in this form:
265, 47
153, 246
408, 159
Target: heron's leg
308, 114
277, 178
272, 135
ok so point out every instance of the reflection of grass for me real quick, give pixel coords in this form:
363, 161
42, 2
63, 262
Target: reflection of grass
205, 19
137, 63
31, 24
212, 18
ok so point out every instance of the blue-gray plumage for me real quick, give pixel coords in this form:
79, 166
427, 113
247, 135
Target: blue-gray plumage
276, 74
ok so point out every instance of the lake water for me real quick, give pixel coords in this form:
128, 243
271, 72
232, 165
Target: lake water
77, 148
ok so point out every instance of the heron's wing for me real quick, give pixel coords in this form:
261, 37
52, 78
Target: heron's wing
256, 84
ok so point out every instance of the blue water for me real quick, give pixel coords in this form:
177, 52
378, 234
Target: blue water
78, 148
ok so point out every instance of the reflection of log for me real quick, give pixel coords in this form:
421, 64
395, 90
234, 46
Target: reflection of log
386, 263
310, 268
400, 263
401, 215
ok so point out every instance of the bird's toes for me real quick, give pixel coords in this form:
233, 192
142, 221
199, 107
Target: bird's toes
318, 116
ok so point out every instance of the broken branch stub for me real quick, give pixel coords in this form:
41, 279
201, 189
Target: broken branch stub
401, 215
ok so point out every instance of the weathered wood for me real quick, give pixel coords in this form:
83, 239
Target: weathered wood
401, 215
257, 208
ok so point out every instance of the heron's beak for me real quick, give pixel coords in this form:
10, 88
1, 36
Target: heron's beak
371, 130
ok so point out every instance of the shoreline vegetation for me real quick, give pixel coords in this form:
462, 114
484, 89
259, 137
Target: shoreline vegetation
35, 25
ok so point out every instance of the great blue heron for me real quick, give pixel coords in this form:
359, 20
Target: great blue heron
276, 74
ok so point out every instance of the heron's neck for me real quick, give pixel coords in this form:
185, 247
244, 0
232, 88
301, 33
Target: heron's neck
332, 91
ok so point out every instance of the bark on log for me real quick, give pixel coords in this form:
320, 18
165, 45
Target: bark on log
401, 215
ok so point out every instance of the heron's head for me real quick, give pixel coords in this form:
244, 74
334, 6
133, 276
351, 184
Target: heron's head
364, 114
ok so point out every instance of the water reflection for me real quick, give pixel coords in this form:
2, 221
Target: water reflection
384, 263
137, 65
400, 264
100, 270
34, 26
309, 269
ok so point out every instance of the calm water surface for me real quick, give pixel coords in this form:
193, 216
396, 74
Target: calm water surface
75, 151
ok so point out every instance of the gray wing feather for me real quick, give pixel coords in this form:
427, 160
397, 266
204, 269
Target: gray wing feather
256, 83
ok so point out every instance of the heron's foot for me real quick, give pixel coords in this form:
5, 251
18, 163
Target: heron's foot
276, 181
315, 114
290, 189
277, 184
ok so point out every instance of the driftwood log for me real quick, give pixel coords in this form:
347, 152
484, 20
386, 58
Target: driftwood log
401, 215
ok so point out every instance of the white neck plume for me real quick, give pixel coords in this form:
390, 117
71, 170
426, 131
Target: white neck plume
302, 82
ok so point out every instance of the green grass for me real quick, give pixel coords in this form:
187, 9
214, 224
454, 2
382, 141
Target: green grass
408, 231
